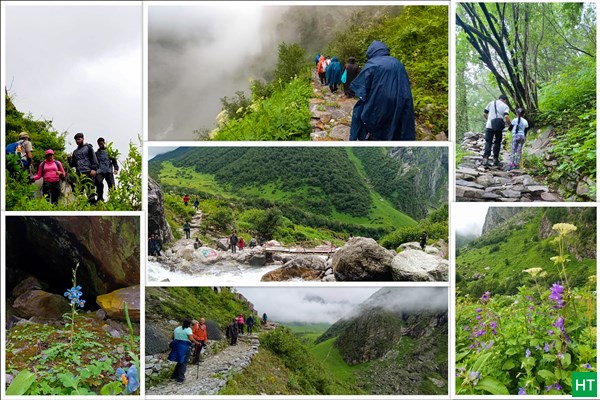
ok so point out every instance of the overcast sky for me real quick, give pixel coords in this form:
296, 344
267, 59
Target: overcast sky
293, 304
79, 66
469, 217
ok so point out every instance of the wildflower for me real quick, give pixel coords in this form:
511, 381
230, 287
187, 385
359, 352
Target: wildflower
478, 317
522, 391
474, 375
466, 328
493, 324
557, 386
478, 310
485, 297
588, 366
533, 271
546, 347
527, 353
537, 347
74, 294
548, 388
560, 324
129, 378
556, 295
564, 229
560, 355
550, 332
480, 332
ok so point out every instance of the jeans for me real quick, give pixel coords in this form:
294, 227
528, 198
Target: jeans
179, 372
496, 137
52, 191
110, 181
516, 147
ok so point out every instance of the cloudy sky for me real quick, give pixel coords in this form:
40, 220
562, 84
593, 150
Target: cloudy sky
469, 217
79, 66
329, 304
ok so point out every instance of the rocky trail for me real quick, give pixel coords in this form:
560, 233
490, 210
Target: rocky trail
210, 375
331, 113
476, 182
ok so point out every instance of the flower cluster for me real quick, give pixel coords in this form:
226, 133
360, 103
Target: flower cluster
74, 295
556, 295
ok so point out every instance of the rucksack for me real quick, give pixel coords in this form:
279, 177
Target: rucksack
497, 123
57, 168
17, 148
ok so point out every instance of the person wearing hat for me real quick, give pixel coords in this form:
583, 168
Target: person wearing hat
85, 163
23, 149
27, 149
51, 171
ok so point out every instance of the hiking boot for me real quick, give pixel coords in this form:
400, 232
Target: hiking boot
486, 161
496, 162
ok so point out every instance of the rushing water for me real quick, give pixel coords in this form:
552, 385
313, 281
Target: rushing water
207, 275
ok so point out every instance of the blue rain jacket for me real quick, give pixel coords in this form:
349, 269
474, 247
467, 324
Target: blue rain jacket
180, 351
334, 72
385, 106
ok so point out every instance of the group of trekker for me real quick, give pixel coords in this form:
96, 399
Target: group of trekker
154, 245
190, 334
189, 340
92, 167
384, 110
186, 200
234, 242
496, 115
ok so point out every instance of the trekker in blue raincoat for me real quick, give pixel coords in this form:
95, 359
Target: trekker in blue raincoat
181, 344
385, 109
334, 74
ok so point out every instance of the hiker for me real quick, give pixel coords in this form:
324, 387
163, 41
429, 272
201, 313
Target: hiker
250, 323
233, 240
186, 229
186, 199
334, 74
197, 244
384, 110
252, 243
23, 149
157, 244
264, 318
240, 322
107, 169
183, 339
201, 336
317, 58
52, 172
352, 71
232, 332
196, 204
496, 116
519, 131
423, 241
152, 246
261, 240
84, 160
241, 244
321, 66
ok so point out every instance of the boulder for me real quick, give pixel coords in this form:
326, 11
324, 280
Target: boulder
157, 223
340, 132
418, 266
30, 283
305, 268
157, 338
113, 303
273, 243
257, 260
362, 259
186, 253
40, 304
207, 255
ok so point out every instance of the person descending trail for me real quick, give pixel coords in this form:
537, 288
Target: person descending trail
52, 173
186, 199
196, 204
385, 108
334, 74
423, 241
250, 324
232, 332
352, 71
519, 132
264, 318
186, 229
321, 67
180, 349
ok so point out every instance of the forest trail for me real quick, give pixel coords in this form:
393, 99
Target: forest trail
211, 374
331, 113
475, 182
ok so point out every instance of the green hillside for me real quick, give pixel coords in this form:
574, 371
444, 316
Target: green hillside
497, 259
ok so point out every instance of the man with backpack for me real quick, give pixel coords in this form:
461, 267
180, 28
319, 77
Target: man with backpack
85, 163
107, 169
23, 149
233, 240
496, 116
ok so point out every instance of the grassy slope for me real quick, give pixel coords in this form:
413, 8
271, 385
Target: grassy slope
382, 212
336, 366
516, 254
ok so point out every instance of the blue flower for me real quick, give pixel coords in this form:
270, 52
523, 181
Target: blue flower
588, 366
74, 295
557, 386
527, 353
546, 347
522, 391
129, 378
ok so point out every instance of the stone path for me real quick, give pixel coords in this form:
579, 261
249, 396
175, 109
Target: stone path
213, 371
331, 113
476, 182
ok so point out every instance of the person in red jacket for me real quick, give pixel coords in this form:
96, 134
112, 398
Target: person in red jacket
52, 172
186, 199
199, 333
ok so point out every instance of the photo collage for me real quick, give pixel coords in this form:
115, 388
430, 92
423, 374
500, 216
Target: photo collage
299, 200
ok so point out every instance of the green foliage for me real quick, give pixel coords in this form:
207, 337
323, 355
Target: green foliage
435, 224
263, 222
282, 116
236, 107
291, 62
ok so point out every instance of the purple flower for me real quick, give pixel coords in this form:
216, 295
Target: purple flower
522, 391
466, 328
557, 386
556, 295
478, 317
527, 353
588, 366
550, 332
537, 347
474, 375
485, 297
560, 324
546, 347
480, 332
478, 310
548, 388
493, 324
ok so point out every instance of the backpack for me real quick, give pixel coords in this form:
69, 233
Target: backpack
497, 123
17, 148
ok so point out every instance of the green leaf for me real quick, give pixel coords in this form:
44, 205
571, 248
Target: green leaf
68, 380
111, 388
509, 364
546, 375
492, 385
462, 355
566, 361
480, 362
21, 383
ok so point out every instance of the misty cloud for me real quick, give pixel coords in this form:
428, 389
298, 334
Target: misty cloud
468, 219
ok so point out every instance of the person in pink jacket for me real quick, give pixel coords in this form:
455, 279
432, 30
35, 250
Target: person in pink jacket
52, 172
240, 321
